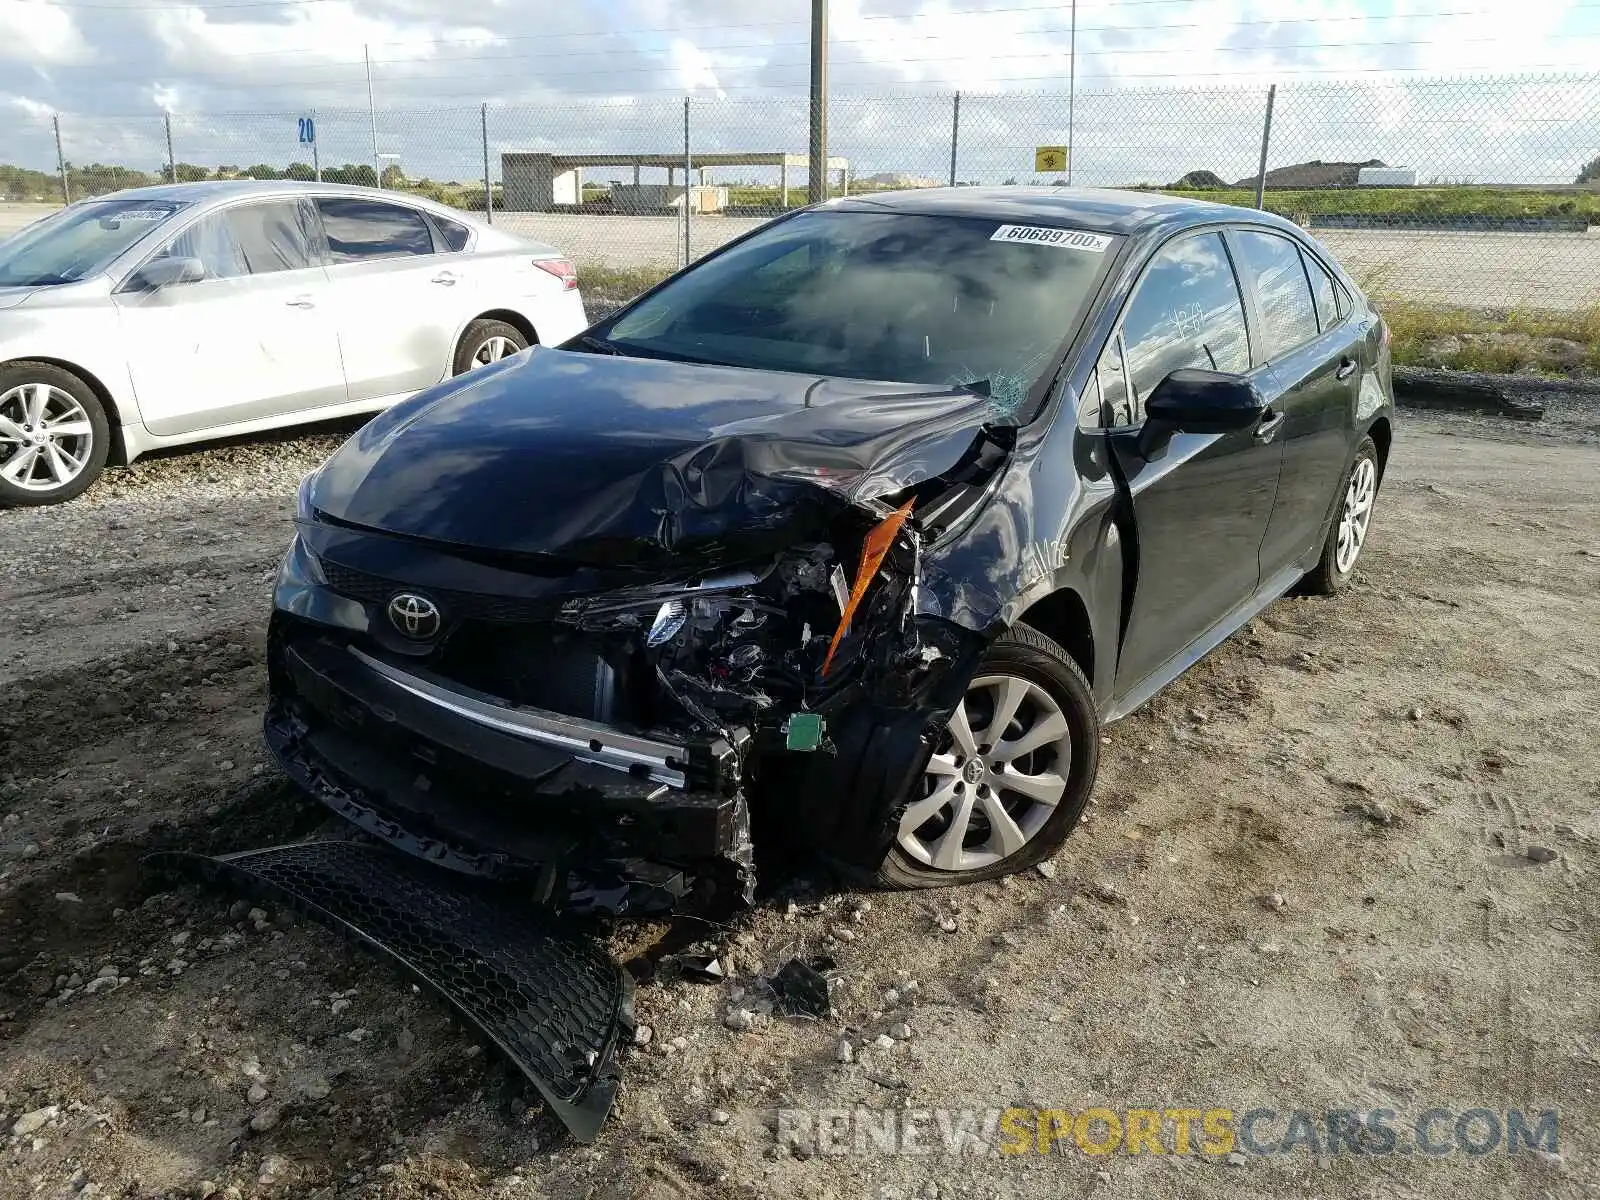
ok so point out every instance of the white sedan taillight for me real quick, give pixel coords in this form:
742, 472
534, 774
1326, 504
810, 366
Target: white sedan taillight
562, 269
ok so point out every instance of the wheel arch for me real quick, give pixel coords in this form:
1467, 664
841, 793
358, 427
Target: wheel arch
117, 452
516, 320
1063, 617
1382, 435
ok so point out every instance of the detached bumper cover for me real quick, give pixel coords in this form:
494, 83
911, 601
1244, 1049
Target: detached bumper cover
550, 998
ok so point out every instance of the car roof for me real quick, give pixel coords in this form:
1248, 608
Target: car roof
221, 190
217, 189
1099, 210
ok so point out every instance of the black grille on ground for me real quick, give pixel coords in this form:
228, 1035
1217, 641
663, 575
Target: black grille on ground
551, 998
459, 606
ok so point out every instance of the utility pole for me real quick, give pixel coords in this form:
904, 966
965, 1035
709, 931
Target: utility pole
172, 162
818, 183
61, 162
372, 115
1072, 84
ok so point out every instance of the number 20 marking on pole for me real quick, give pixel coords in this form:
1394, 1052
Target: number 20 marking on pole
308, 131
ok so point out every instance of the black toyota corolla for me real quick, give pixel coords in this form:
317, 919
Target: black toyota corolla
850, 536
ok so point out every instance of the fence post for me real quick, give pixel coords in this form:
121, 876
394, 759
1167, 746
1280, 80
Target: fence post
1266, 138
955, 136
488, 187
688, 167
817, 182
61, 162
316, 154
172, 161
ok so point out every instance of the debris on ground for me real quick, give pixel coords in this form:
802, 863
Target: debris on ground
802, 988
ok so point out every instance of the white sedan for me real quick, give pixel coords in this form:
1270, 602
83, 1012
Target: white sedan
166, 315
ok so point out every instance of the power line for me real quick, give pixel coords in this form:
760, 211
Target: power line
669, 29
168, 76
909, 90
410, 73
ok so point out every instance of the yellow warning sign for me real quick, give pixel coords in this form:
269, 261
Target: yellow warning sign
1049, 158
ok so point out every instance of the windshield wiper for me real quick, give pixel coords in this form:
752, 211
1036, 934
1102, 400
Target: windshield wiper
978, 387
598, 344
35, 281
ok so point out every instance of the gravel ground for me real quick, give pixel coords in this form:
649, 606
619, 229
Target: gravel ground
1347, 862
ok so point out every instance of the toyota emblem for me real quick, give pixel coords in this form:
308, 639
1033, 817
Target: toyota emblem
415, 616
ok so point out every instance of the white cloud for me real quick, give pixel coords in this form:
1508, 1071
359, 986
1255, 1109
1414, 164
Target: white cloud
692, 67
29, 108
40, 33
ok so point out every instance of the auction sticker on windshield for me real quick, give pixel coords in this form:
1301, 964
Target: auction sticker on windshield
1043, 235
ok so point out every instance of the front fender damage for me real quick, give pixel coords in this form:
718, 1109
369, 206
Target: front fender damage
813, 664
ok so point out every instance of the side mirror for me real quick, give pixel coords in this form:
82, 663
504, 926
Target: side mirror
160, 272
1191, 400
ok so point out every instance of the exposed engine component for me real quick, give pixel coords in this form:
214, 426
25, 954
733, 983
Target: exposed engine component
750, 647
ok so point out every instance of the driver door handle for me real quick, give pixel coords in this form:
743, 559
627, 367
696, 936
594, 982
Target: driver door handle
445, 277
301, 302
1347, 368
1268, 427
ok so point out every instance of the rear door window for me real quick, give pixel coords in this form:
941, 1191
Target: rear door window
1185, 312
1273, 270
1324, 292
360, 230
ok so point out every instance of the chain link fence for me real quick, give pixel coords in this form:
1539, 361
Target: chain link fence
1477, 192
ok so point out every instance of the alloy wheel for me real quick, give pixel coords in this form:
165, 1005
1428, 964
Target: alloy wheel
1356, 514
493, 350
45, 437
998, 773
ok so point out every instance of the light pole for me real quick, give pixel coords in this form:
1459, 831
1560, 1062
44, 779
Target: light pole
372, 112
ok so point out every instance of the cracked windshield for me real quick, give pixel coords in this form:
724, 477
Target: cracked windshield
948, 301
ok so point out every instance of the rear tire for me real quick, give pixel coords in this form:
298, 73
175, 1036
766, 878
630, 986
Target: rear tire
54, 435
1016, 799
486, 342
1352, 524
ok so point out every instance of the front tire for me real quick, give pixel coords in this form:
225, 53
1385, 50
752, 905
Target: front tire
1010, 776
486, 342
54, 435
1347, 537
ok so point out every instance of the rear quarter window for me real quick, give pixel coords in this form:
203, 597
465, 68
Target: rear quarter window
453, 234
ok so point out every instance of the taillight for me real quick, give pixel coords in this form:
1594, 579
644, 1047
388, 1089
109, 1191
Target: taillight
562, 269
1383, 335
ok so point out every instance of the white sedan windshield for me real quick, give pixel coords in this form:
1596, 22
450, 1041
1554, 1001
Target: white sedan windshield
79, 241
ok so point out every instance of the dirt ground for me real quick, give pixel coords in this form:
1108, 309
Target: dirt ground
1349, 862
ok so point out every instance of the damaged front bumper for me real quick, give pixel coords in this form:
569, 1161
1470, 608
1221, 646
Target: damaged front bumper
581, 816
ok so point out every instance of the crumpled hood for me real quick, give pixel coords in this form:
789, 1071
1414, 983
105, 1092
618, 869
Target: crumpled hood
603, 459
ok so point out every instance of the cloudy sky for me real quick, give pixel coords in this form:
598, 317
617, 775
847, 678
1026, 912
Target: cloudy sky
583, 74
